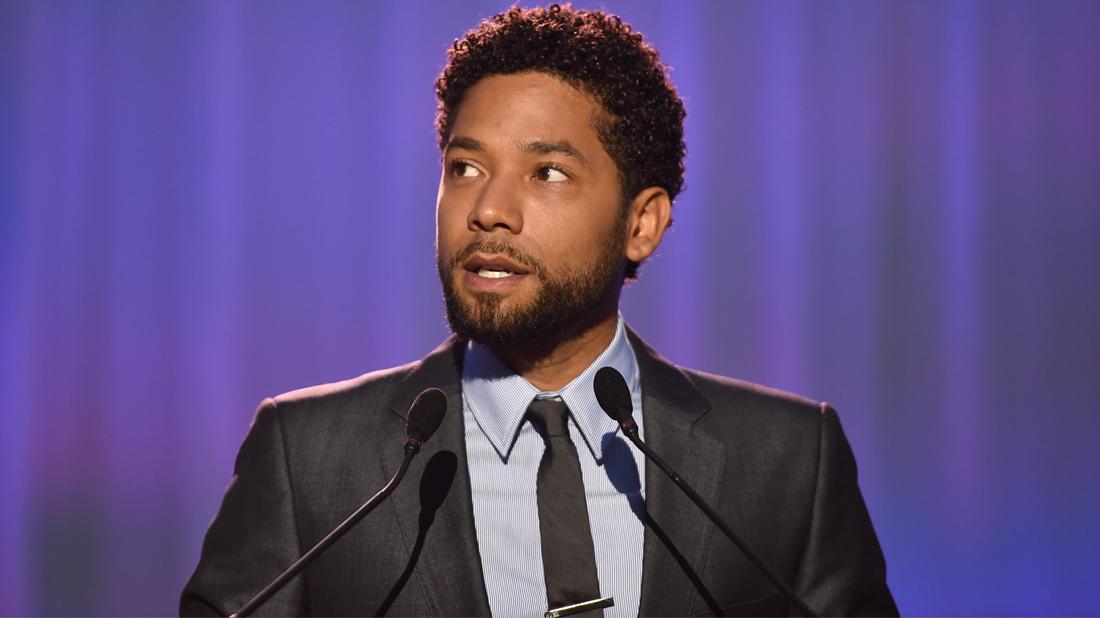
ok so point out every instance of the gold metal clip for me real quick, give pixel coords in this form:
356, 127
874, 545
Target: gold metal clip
577, 608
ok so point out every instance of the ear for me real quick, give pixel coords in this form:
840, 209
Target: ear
650, 214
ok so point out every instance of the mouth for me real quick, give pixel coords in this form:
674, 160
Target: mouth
493, 266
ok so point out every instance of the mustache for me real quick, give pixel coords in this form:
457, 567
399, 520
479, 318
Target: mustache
491, 246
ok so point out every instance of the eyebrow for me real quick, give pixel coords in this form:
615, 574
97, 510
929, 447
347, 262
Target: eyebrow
562, 147
538, 146
465, 143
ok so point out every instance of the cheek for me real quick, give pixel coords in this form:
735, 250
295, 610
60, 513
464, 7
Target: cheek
450, 224
561, 242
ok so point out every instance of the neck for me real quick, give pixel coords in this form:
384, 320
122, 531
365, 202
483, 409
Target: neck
551, 365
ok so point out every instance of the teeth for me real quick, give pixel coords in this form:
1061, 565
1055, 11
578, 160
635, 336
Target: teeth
493, 274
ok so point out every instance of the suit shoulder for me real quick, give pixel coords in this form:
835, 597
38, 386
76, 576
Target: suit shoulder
366, 384
338, 404
748, 398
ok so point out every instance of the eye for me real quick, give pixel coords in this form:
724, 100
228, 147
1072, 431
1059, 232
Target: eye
551, 173
462, 169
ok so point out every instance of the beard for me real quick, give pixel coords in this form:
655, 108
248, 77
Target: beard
562, 304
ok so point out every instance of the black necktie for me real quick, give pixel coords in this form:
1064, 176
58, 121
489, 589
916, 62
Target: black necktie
568, 558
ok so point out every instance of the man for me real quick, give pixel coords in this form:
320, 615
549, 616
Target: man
562, 153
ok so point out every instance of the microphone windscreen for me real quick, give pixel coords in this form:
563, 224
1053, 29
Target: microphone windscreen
426, 414
613, 394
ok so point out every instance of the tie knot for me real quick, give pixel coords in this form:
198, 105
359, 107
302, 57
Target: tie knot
548, 416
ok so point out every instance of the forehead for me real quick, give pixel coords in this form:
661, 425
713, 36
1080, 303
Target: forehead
528, 105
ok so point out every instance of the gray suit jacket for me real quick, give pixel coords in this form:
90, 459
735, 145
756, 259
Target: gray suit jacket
776, 466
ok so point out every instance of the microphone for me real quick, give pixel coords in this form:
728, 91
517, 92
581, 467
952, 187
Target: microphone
423, 419
613, 395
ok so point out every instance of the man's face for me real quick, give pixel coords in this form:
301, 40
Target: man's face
530, 227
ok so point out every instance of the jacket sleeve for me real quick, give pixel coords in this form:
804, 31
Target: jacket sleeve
843, 572
254, 537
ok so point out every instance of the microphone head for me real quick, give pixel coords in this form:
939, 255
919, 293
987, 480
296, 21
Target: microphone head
613, 394
425, 415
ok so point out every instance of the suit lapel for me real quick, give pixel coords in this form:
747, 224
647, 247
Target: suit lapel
433, 506
435, 510
677, 532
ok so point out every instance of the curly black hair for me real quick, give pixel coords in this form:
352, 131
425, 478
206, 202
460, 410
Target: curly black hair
595, 52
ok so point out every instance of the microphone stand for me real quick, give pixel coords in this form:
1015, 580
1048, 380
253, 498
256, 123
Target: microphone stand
630, 428
412, 447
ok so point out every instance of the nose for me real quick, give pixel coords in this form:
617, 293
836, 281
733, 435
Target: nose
499, 206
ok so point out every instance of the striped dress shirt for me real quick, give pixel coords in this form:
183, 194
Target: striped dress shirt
503, 452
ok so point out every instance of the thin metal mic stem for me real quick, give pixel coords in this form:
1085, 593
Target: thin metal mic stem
411, 450
630, 428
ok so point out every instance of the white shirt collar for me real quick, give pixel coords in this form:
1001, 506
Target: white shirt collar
498, 397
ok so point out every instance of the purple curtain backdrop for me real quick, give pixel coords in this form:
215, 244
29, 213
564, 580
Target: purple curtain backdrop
894, 206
